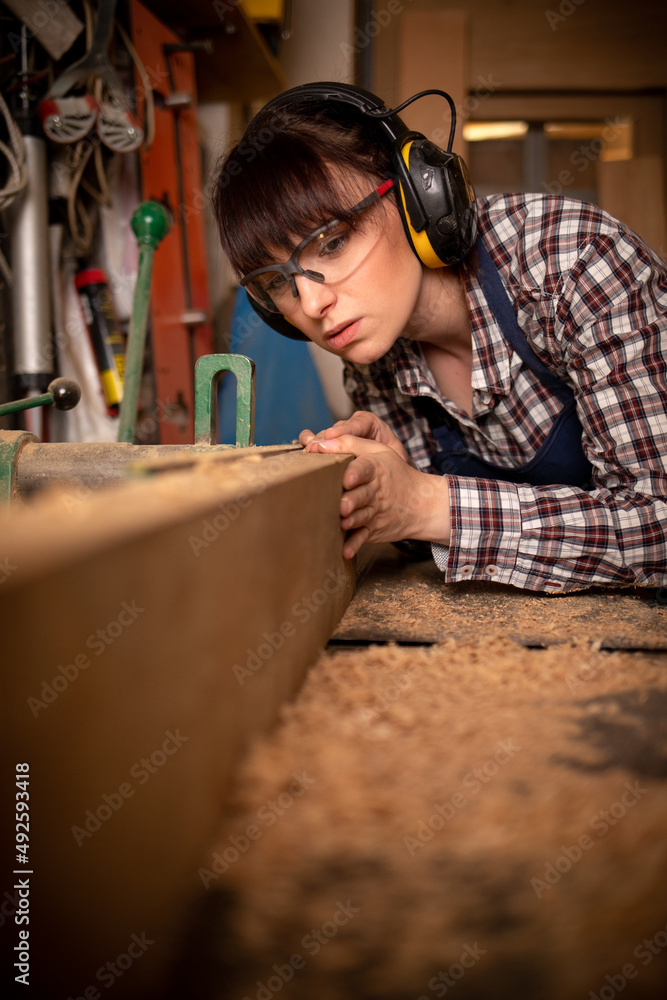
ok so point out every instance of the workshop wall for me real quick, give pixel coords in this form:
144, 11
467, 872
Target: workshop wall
565, 61
319, 46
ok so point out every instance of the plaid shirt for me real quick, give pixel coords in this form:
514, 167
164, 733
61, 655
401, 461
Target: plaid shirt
591, 298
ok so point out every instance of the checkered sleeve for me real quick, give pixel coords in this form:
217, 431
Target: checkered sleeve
607, 329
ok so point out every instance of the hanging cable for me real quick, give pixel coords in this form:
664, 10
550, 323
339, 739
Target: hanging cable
149, 102
14, 153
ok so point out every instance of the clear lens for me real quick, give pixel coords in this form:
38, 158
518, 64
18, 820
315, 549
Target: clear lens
331, 255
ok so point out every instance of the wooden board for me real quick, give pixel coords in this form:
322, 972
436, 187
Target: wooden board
405, 601
148, 631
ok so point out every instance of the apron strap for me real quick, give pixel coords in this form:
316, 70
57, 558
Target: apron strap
560, 459
498, 298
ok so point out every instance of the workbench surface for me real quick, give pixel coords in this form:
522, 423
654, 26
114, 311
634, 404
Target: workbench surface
403, 600
484, 811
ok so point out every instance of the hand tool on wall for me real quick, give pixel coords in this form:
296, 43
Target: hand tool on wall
67, 119
150, 224
107, 341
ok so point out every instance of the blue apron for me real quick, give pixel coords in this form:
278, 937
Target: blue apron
560, 459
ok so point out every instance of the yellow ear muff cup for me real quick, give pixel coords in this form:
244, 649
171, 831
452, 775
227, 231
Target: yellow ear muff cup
420, 241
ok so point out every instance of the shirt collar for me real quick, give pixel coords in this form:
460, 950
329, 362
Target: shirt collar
491, 353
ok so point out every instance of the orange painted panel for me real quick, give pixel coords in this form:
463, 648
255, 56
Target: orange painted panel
180, 284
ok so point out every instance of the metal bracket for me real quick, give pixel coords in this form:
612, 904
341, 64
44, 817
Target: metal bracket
207, 372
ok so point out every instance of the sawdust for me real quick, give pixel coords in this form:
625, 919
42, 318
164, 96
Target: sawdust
474, 814
408, 601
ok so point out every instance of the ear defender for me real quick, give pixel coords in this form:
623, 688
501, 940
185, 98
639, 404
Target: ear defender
448, 223
436, 199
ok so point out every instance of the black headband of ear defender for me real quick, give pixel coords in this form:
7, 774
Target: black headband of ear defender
435, 196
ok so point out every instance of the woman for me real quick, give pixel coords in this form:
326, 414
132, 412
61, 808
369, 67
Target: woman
508, 357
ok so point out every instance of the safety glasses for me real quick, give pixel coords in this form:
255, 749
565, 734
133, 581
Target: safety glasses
329, 254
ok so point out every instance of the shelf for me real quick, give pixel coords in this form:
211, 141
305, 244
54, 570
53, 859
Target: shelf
241, 67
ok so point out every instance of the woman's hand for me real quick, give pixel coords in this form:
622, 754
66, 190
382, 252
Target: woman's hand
385, 498
361, 424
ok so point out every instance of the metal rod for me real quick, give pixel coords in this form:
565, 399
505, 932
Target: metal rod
25, 404
150, 224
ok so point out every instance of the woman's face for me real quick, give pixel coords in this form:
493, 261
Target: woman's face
360, 317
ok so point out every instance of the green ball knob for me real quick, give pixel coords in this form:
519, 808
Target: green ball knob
150, 223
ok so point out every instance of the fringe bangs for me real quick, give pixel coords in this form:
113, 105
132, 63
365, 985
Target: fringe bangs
285, 179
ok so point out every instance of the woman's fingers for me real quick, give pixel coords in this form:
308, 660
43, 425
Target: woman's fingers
385, 498
362, 425
354, 541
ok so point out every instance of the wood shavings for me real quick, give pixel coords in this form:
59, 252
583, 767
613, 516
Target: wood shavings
474, 795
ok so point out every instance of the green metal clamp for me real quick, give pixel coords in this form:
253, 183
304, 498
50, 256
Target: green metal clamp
11, 446
207, 372
64, 394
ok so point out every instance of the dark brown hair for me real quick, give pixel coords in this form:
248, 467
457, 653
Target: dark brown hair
296, 168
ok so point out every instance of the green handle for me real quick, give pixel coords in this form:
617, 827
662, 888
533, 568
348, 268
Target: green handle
207, 371
150, 224
63, 393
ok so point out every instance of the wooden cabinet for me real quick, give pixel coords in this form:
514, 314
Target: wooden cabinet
239, 65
